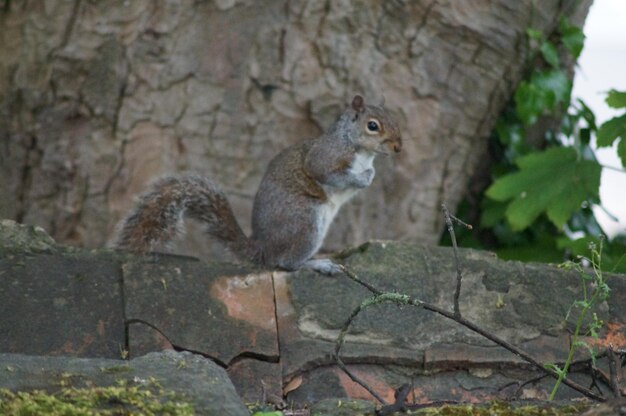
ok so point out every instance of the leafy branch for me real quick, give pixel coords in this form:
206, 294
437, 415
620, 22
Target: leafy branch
538, 206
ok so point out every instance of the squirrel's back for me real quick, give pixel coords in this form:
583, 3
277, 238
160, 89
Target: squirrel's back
286, 210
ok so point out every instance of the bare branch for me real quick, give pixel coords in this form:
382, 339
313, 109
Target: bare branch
357, 380
459, 276
381, 297
613, 380
399, 405
354, 277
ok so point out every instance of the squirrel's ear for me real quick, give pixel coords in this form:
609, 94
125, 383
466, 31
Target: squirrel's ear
358, 104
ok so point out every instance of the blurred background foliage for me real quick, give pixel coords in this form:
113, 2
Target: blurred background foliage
537, 203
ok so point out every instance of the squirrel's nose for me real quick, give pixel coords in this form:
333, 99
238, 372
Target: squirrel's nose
394, 144
397, 145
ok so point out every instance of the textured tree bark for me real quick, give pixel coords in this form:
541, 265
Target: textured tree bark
96, 99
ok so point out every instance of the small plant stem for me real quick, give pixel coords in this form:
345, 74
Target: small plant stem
598, 292
563, 372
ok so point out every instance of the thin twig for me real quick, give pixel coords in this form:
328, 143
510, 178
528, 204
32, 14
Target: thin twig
407, 300
341, 338
613, 168
613, 380
459, 276
460, 222
612, 216
357, 380
354, 277
595, 373
399, 405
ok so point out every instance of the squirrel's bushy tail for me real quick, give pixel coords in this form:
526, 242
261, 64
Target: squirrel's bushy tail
158, 216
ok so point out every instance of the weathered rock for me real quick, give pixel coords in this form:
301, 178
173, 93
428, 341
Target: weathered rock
65, 301
144, 338
257, 380
191, 377
615, 407
275, 332
524, 304
55, 302
18, 238
222, 311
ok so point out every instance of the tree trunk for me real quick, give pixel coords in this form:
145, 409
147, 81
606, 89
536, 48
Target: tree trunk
97, 98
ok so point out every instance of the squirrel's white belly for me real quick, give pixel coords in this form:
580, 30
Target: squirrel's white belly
329, 209
337, 197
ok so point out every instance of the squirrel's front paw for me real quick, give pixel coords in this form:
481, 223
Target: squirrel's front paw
323, 266
365, 178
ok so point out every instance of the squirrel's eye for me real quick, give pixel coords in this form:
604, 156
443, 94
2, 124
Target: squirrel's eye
373, 125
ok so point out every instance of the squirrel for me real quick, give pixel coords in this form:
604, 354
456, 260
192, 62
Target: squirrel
302, 189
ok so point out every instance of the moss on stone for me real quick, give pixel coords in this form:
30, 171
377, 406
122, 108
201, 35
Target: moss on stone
348, 407
146, 399
18, 238
501, 409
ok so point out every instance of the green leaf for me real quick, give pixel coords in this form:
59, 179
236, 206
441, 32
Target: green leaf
616, 99
611, 130
530, 102
555, 82
550, 54
553, 181
572, 37
541, 95
580, 344
587, 114
509, 134
554, 368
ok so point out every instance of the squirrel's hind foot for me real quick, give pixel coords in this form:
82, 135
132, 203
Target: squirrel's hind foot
323, 266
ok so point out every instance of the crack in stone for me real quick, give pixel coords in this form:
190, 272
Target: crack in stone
25, 180
276, 317
255, 356
239, 357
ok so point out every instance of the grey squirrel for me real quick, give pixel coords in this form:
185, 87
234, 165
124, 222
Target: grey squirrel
302, 190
